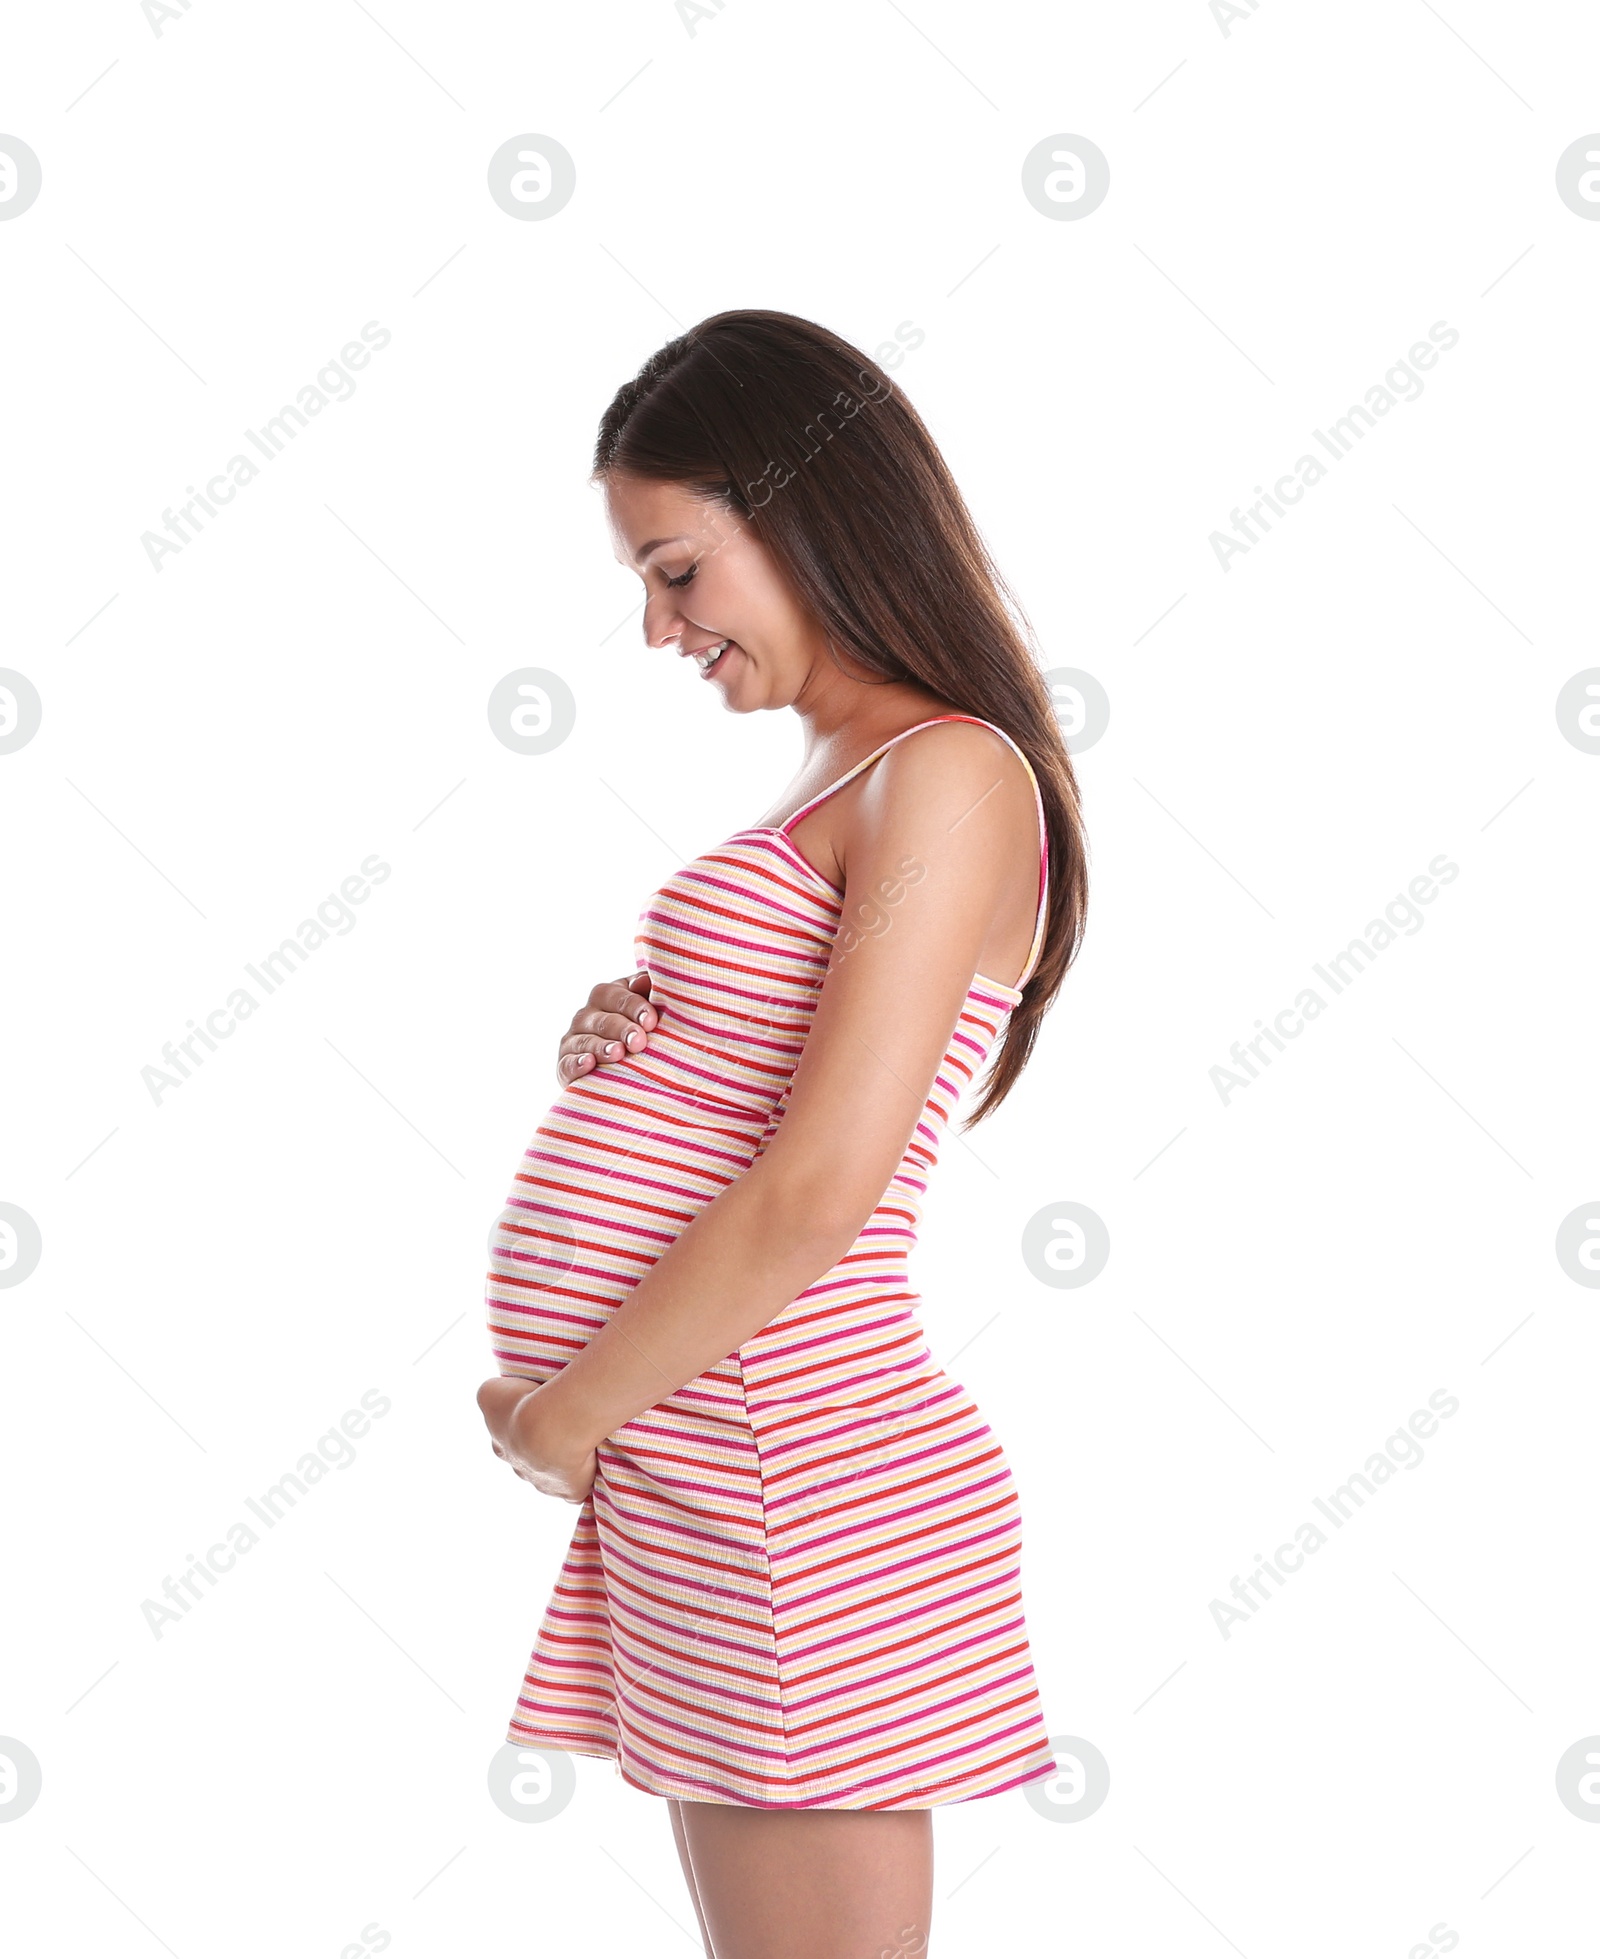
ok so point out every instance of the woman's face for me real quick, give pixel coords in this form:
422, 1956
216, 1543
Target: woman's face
710, 583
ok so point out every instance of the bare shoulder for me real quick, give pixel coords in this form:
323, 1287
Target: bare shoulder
939, 776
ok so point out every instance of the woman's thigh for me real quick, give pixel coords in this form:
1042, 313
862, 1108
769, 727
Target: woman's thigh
811, 1883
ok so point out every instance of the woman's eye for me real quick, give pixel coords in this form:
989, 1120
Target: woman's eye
686, 576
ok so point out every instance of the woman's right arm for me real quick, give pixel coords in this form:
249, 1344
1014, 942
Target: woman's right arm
618, 1018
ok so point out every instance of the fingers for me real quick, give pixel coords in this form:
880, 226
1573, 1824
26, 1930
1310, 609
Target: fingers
581, 1054
626, 998
618, 1020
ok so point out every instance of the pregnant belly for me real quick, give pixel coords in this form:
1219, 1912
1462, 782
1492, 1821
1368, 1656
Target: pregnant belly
618, 1167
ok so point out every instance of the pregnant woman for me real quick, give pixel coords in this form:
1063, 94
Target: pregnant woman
792, 1605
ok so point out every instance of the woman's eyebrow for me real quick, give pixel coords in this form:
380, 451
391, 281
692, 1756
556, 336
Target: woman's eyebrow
655, 544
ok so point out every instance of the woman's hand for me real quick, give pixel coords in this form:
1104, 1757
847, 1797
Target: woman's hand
617, 1020
521, 1436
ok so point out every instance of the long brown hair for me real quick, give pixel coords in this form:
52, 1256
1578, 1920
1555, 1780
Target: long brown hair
806, 439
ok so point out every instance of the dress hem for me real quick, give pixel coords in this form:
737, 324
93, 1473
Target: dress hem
1042, 1772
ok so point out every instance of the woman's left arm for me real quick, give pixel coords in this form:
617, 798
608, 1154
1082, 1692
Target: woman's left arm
927, 850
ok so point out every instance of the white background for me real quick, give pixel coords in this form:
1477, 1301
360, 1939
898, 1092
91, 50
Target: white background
1293, 204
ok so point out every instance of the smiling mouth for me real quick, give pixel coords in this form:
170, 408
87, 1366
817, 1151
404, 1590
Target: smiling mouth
709, 656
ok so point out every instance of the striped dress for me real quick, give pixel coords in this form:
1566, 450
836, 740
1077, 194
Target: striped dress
795, 1582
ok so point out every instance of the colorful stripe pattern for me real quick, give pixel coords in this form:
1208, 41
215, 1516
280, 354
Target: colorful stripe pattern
796, 1582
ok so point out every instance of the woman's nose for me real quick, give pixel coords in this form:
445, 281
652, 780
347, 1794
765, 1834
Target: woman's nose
663, 623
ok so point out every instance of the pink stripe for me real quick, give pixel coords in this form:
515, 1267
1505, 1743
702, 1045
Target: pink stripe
945, 1657
891, 1520
894, 1466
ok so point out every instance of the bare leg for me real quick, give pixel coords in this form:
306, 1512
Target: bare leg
811, 1883
682, 1842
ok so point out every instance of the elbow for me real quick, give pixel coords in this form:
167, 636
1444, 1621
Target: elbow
812, 1219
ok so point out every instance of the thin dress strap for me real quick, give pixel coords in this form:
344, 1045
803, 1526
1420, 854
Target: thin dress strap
1044, 835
